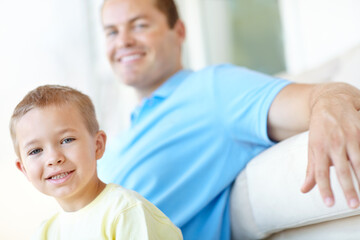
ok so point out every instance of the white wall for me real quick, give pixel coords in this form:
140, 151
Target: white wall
316, 31
194, 46
208, 40
41, 42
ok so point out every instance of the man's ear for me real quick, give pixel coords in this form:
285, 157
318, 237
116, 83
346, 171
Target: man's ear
180, 30
20, 166
100, 141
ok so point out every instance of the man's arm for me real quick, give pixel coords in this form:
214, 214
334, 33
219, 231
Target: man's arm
330, 113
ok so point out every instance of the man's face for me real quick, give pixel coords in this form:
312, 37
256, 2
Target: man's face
141, 47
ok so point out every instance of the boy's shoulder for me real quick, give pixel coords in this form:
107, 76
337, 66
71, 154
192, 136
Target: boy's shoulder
115, 209
112, 202
122, 198
46, 225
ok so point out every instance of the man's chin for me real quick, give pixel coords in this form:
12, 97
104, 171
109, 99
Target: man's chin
129, 81
130, 77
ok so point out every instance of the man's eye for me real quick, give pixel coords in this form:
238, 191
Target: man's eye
67, 140
35, 151
140, 25
111, 33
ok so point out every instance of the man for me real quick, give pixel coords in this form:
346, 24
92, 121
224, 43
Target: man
193, 132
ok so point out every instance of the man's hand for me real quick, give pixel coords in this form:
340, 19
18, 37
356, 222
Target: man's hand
330, 113
334, 140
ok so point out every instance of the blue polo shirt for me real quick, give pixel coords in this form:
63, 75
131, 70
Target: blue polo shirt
190, 140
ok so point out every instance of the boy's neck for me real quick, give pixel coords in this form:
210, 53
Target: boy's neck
82, 199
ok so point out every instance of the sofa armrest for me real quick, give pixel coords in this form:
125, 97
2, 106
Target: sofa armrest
266, 196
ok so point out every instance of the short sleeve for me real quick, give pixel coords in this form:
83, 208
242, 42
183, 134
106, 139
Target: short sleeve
244, 98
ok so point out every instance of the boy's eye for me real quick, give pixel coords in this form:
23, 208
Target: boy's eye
67, 140
35, 151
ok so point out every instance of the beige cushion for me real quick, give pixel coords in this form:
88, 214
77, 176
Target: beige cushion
266, 196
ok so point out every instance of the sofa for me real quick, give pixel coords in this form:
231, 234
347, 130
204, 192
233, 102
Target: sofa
266, 201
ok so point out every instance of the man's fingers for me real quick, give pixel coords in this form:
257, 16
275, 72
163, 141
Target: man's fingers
343, 173
318, 173
354, 157
323, 179
309, 182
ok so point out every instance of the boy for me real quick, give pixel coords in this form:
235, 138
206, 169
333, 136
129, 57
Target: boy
57, 141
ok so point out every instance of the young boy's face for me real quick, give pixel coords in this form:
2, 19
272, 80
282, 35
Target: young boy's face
58, 154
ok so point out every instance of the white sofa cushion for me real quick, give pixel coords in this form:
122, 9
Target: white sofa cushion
266, 196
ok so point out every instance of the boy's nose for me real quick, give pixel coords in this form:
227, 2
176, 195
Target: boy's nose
55, 158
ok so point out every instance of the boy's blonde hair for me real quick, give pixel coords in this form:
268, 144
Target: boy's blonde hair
50, 95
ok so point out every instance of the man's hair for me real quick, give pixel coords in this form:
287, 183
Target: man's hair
168, 7
54, 95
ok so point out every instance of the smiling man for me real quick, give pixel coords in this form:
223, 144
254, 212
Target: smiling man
193, 132
140, 47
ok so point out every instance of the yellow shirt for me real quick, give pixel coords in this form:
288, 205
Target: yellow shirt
117, 213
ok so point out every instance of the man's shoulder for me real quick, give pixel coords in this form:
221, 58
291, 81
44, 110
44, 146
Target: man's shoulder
222, 66
218, 70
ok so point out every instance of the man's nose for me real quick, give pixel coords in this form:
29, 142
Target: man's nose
125, 39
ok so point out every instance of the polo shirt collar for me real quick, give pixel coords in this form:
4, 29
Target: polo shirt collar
164, 91
171, 84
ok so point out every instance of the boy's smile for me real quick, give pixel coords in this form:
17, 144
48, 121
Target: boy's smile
58, 153
61, 177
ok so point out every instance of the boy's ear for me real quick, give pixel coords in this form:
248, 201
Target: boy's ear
20, 166
100, 144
